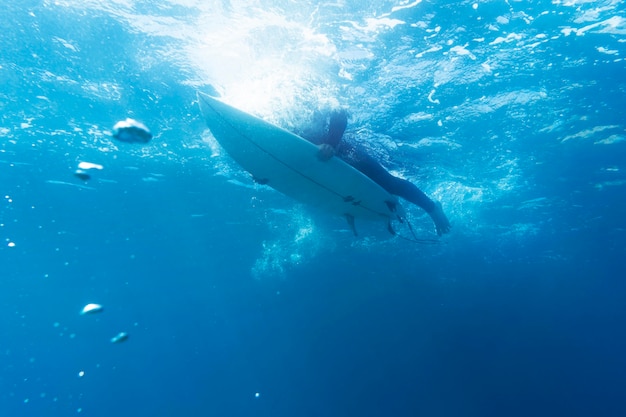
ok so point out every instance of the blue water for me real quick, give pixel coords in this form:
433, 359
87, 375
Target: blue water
241, 302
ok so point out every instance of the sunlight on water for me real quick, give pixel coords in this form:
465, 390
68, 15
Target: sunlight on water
266, 64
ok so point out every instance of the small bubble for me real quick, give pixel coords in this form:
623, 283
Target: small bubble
11, 244
81, 374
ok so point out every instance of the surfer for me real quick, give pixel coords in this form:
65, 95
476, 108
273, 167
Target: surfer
330, 144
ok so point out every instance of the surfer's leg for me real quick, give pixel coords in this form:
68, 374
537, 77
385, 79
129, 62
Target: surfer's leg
405, 189
410, 192
394, 185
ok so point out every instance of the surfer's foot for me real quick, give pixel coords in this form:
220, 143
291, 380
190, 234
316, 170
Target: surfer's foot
442, 224
325, 152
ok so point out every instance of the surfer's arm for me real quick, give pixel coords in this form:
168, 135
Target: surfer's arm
336, 127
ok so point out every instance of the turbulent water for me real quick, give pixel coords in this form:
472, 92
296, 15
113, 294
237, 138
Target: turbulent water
238, 300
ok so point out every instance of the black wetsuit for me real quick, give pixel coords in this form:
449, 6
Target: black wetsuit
361, 160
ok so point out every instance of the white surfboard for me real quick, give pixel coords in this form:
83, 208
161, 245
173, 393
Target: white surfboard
290, 164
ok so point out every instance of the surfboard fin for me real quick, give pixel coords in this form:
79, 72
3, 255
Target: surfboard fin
350, 219
390, 228
392, 206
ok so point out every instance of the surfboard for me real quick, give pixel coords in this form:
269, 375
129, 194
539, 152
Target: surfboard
290, 165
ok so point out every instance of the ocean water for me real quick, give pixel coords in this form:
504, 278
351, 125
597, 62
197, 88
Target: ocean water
239, 301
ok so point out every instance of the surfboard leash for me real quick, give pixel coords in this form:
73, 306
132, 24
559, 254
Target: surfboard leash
414, 239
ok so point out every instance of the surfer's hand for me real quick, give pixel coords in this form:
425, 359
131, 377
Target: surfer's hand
325, 152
